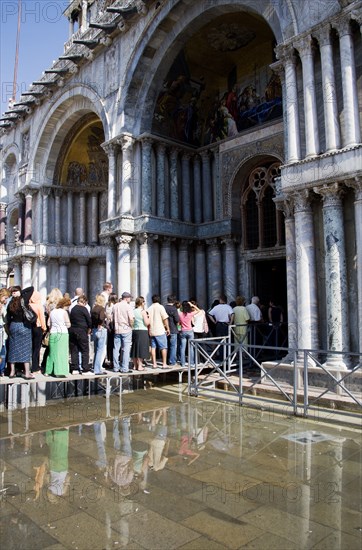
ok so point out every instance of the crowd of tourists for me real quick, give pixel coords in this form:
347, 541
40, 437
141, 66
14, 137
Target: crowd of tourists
122, 331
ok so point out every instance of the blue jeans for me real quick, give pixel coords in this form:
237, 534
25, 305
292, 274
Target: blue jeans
172, 346
185, 337
124, 342
99, 337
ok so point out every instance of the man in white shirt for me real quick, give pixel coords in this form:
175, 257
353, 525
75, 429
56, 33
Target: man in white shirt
254, 309
159, 330
123, 318
221, 313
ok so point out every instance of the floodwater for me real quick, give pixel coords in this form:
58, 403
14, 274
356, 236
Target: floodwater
156, 469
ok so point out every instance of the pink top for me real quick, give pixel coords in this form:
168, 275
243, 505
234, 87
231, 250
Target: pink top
185, 320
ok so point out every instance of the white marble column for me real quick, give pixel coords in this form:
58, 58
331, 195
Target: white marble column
111, 261
307, 306
352, 132
174, 187
160, 181
63, 275
186, 187
145, 244
166, 268
45, 194
26, 272
58, 216
183, 270
197, 190
28, 238
335, 272
306, 51
289, 59
124, 263
214, 270
207, 188
146, 199
82, 219
42, 262
200, 276
127, 142
331, 119
70, 226
83, 274
134, 268
16, 266
94, 219
110, 149
3, 206
229, 276
356, 184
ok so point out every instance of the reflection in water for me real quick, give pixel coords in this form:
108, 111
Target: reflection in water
182, 471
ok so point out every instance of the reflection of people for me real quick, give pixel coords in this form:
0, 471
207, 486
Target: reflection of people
120, 470
159, 444
59, 481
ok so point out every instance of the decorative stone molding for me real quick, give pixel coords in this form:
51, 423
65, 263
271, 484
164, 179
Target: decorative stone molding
323, 35
331, 194
301, 200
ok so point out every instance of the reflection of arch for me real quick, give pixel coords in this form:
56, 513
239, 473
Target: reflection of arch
261, 222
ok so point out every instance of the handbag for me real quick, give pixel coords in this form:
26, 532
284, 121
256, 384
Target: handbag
29, 314
45, 341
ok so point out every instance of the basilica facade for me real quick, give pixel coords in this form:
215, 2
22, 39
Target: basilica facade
196, 148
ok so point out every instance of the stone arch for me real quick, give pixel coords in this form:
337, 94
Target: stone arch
9, 176
172, 28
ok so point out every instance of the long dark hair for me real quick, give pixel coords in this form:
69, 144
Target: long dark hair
186, 308
14, 305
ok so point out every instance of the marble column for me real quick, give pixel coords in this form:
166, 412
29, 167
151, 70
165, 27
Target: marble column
352, 133
331, 119
83, 274
58, 216
160, 181
111, 261
94, 219
110, 149
289, 59
63, 274
127, 142
146, 200
166, 268
42, 262
183, 270
174, 188
306, 51
214, 270
45, 194
145, 244
186, 187
26, 272
70, 226
356, 184
335, 272
307, 306
229, 276
16, 266
200, 275
124, 263
207, 190
3, 206
134, 265
197, 190
28, 238
82, 219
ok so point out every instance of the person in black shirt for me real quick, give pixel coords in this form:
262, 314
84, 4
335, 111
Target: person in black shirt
81, 325
173, 321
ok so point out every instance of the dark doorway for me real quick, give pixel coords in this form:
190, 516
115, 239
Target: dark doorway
269, 280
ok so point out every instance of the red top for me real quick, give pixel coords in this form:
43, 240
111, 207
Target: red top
185, 320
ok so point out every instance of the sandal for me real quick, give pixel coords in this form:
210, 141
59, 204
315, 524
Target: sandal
30, 377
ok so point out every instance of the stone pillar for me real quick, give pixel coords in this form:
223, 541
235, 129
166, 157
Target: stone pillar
45, 194
42, 262
166, 268
174, 189
146, 200
186, 187
124, 263
160, 181
16, 265
306, 52
3, 206
183, 270
95, 218
207, 190
127, 142
335, 271
214, 270
197, 190
200, 275
20, 230
110, 149
356, 184
63, 274
111, 261
288, 58
82, 219
70, 226
145, 243
26, 275
134, 265
83, 274
331, 119
352, 133
307, 307
28, 239
58, 216
230, 277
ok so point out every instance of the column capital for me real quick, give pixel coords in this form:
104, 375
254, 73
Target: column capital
302, 201
343, 25
285, 53
107, 241
126, 141
166, 241
161, 147
285, 204
83, 261
63, 261
26, 261
331, 194
174, 152
186, 155
305, 46
146, 142
323, 35
212, 243
3, 206
109, 148
278, 69
124, 240
184, 243
29, 191
43, 260
356, 184
205, 155
58, 192
228, 240
46, 190
356, 15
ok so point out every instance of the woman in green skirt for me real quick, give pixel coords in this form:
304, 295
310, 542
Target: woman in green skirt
58, 360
